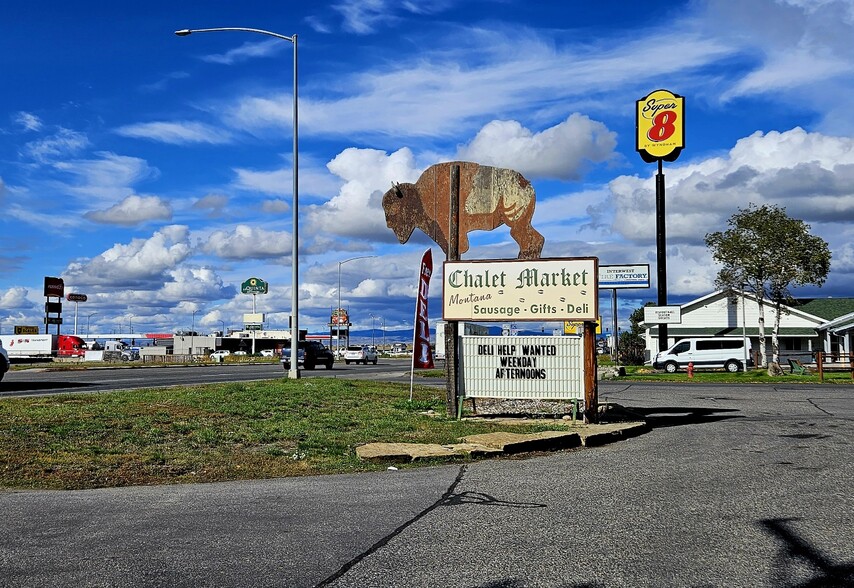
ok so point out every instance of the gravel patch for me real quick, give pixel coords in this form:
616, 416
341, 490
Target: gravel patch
543, 409
531, 408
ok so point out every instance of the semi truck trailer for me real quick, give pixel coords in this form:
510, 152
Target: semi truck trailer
42, 346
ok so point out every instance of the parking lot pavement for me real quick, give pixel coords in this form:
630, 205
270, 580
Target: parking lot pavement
731, 487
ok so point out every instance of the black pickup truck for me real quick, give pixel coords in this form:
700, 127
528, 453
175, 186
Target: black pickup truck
310, 354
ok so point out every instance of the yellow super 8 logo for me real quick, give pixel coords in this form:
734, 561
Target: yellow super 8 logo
660, 126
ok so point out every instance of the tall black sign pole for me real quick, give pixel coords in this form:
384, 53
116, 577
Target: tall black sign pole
660, 136
661, 252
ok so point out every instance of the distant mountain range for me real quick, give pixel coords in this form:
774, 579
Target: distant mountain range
375, 336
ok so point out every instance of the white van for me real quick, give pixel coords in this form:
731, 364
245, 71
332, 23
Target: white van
713, 352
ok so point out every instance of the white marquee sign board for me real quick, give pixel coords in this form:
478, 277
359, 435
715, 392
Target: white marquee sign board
533, 367
662, 315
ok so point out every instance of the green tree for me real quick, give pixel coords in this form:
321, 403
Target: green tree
632, 342
766, 252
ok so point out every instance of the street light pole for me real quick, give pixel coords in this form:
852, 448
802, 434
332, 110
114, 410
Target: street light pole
338, 331
293, 373
193, 333
87, 322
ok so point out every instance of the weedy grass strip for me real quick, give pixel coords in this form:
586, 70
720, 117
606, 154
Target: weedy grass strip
214, 432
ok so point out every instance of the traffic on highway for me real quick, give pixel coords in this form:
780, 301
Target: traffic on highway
39, 381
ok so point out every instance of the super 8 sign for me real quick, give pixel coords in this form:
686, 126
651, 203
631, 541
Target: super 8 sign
660, 126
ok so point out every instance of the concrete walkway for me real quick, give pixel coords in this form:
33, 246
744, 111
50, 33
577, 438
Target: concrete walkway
567, 434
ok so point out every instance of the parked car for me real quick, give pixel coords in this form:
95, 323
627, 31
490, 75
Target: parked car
286, 358
220, 355
310, 354
268, 353
713, 352
240, 353
360, 354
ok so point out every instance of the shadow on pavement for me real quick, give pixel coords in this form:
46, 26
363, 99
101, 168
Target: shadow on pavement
39, 386
796, 553
798, 563
676, 416
482, 499
516, 583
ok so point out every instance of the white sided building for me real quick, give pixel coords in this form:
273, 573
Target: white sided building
807, 326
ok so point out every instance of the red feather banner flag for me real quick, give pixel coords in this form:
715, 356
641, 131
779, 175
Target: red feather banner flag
422, 354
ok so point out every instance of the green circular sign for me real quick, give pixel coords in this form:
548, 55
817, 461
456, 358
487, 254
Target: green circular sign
254, 286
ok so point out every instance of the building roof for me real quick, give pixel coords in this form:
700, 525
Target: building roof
836, 314
826, 308
840, 324
733, 331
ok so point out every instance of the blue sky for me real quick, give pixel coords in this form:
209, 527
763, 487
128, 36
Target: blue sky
153, 173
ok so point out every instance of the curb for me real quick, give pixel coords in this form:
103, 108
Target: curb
521, 443
504, 442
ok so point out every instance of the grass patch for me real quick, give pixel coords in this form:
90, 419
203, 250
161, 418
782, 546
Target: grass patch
75, 364
214, 432
434, 373
753, 376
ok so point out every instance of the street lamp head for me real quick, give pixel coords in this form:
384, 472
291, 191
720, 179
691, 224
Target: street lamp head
183, 32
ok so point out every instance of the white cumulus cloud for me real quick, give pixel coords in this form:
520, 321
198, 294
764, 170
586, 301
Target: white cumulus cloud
193, 283
561, 151
356, 211
14, 298
809, 174
246, 242
133, 210
140, 264
213, 203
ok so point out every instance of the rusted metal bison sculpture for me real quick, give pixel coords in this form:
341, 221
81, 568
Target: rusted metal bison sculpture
489, 197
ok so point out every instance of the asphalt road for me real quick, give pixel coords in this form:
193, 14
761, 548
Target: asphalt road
732, 487
40, 381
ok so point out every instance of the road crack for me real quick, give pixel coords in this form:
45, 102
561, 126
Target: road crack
445, 498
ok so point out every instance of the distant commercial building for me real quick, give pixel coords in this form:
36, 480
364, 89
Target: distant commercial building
186, 344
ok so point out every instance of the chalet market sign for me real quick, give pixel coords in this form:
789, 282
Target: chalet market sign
558, 289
